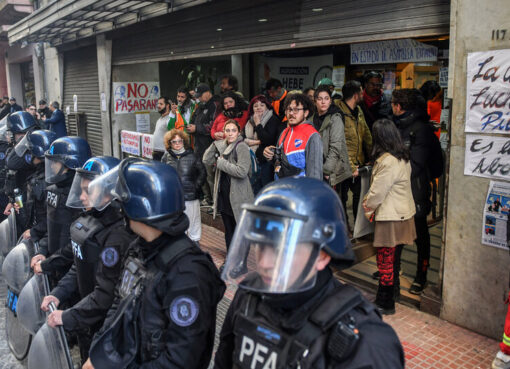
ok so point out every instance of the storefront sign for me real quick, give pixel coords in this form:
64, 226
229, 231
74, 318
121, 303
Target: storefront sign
495, 215
296, 73
487, 156
488, 92
147, 146
130, 142
392, 51
130, 97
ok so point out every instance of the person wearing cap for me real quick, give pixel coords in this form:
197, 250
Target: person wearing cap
289, 310
164, 310
57, 121
200, 128
335, 96
43, 110
14, 107
100, 241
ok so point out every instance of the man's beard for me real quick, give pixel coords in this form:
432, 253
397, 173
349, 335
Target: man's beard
162, 111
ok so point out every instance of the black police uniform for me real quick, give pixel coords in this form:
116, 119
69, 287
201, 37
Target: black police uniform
36, 204
177, 309
57, 248
328, 326
99, 241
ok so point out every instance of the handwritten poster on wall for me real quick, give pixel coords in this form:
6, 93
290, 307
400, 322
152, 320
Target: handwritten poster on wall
488, 92
147, 146
130, 97
130, 142
495, 215
487, 156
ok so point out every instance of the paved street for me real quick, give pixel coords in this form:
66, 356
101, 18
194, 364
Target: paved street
428, 342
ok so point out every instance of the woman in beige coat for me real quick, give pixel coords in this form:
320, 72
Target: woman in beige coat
390, 202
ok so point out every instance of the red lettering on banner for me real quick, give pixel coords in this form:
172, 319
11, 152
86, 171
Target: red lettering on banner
143, 90
142, 104
131, 87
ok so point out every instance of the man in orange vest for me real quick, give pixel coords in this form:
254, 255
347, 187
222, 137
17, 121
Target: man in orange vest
275, 90
181, 112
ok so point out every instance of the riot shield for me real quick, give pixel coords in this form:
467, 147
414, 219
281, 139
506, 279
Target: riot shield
8, 233
29, 303
16, 267
49, 348
18, 338
362, 226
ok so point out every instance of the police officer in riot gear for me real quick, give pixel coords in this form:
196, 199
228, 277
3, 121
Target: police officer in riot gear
32, 147
166, 302
4, 146
55, 256
289, 310
19, 167
99, 240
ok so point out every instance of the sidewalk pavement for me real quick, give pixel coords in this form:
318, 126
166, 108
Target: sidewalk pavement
429, 342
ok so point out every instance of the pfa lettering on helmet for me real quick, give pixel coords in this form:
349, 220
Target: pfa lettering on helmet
77, 250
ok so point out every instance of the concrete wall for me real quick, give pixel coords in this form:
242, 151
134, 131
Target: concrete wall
475, 276
146, 72
54, 75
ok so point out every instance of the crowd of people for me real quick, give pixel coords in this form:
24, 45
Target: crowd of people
120, 240
320, 133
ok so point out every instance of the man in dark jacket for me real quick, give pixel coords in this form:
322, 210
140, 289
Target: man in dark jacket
10, 107
43, 110
200, 128
375, 103
57, 122
412, 121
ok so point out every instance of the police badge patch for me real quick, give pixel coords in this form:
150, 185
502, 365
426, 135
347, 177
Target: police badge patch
184, 311
2, 155
110, 256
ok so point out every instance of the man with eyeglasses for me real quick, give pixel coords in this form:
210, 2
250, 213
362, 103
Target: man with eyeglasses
375, 104
299, 148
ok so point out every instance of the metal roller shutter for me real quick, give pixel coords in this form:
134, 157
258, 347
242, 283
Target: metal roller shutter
81, 79
288, 23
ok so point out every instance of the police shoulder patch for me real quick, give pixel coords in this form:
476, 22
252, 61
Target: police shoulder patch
110, 257
184, 311
2, 155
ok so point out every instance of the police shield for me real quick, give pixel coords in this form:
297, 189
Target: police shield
8, 233
18, 338
16, 267
29, 304
49, 350
362, 226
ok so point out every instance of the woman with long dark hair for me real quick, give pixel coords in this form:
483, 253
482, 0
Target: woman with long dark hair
390, 202
232, 106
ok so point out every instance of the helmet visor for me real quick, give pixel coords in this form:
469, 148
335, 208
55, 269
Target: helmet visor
23, 146
4, 134
54, 169
101, 190
270, 254
79, 192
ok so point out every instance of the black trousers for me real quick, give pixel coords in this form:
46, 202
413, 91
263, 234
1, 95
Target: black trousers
230, 226
355, 186
423, 245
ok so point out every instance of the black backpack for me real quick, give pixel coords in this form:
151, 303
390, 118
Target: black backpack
435, 164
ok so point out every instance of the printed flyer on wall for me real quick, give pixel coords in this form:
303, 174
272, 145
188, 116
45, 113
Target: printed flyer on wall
495, 215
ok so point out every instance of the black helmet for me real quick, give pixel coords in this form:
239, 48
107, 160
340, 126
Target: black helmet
70, 151
36, 143
21, 122
295, 218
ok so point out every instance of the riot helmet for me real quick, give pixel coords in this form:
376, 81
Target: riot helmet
149, 191
4, 131
79, 196
21, 122
277, 242
35, 143
69, 152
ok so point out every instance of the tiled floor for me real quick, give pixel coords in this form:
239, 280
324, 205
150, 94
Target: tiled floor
428, 341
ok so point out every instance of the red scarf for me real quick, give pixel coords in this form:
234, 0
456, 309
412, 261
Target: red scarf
369, 100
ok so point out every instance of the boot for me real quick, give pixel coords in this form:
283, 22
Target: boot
384, 300
420, 282
501, 361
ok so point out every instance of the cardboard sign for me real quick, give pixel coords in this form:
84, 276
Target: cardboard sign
488, 92
130, 142
147, 146
130, 97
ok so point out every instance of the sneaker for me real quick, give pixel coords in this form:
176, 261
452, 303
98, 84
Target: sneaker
386, 311
417, 287
501, 361
376, 275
